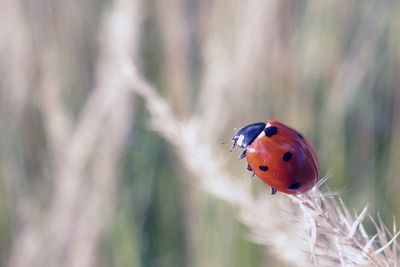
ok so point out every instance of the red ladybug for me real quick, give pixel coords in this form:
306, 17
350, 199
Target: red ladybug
279, 155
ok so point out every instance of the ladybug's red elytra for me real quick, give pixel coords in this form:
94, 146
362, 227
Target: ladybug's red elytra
279, 155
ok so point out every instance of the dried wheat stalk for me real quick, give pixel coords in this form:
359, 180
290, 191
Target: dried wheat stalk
310, 229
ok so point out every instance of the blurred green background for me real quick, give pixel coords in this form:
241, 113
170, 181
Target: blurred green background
330, 69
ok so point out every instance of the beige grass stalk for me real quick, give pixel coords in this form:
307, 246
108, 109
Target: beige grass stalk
311, 229
110, 104
85, 154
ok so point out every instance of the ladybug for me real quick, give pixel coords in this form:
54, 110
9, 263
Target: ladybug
279, 155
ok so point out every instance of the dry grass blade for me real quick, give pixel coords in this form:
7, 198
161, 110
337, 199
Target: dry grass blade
86, 155
333, 235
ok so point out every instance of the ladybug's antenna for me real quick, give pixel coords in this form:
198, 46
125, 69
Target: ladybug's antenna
233, 140
233, 145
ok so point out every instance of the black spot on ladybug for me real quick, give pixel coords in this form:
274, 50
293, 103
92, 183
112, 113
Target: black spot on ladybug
263, 168
300, 135
249, 168
270, 131
287, 156
294, 186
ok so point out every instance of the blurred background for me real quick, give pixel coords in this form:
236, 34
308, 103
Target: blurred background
86, 181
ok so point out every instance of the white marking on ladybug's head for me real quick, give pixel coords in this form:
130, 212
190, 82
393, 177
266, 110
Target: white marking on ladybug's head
240, 140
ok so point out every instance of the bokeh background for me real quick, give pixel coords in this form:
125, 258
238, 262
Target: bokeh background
85, 179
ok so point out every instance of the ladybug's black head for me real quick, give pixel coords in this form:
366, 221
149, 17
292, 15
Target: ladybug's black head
246, 135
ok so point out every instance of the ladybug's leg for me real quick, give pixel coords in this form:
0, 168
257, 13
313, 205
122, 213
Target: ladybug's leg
242, 155
250, 170
233, 145
272, 190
